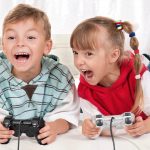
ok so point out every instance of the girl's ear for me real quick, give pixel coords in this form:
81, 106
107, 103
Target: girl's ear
48, 47
114, 55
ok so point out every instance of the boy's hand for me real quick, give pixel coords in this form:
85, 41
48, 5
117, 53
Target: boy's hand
49, 133
138, 128
89, 129
5, 134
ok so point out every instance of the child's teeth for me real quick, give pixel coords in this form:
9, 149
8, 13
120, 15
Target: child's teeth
83, 70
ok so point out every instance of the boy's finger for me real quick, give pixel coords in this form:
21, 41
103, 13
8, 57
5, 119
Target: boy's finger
44, 129
2, 127
3, 140
49, 139
5, 135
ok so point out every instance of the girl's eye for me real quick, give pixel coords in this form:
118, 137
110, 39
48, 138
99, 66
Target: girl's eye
75, 53
89, 54
31, 37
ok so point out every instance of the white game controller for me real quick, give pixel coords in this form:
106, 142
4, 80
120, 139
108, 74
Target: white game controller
119, 121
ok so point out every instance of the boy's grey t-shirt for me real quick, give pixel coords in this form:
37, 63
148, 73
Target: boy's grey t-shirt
43, 94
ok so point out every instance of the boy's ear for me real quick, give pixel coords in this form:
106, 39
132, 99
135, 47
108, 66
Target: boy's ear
3, 48
48, 47
114, 55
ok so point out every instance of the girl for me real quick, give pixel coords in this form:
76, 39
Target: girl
112, 81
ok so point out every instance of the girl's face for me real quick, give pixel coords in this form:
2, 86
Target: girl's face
99, 65
24, 44
92, 64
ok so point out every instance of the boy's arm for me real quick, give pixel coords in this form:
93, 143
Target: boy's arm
61, 118
3, 114
5, 134
67, 110
51, 129
58, 126
3, 106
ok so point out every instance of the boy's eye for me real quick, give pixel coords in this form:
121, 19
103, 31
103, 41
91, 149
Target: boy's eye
11, 37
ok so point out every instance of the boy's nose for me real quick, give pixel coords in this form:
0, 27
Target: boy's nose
20, 43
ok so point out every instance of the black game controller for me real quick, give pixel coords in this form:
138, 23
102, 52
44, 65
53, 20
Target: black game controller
30, 127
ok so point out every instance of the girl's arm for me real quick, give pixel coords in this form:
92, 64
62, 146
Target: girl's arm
142, 126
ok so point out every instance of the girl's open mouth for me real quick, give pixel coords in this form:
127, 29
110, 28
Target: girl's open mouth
87, 73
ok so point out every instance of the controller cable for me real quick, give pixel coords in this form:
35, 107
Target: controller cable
112, 136
111, 132
19, 134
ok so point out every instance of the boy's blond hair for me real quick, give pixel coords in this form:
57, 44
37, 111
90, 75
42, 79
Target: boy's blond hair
25, 11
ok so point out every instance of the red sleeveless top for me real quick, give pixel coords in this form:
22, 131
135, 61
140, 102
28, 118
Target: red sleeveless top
119, 97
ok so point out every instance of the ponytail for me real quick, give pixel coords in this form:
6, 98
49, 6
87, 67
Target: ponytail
134, 44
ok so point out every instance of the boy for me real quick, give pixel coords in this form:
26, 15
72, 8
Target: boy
33, 83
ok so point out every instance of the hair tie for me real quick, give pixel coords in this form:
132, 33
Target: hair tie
138, 76
132, 34
119, 25
136, 51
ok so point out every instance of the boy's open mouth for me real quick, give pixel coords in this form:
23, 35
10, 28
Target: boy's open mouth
22, 56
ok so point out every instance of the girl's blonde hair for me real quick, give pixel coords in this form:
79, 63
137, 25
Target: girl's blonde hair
25, 11
85, 37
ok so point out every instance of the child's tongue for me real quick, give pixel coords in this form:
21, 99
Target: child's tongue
88, 74
22, 57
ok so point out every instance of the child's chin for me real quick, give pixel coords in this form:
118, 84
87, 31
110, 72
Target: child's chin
92, 83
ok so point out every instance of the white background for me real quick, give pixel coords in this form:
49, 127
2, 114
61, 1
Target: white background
64, 15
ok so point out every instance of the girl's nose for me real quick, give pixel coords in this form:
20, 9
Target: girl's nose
80, 61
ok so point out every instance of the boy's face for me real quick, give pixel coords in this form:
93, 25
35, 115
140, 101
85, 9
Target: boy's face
24, 44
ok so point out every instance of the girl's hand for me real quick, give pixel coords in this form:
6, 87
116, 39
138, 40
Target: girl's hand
89, 129
140, 127
5, 134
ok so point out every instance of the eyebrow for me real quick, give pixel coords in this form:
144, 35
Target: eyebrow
11, 29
